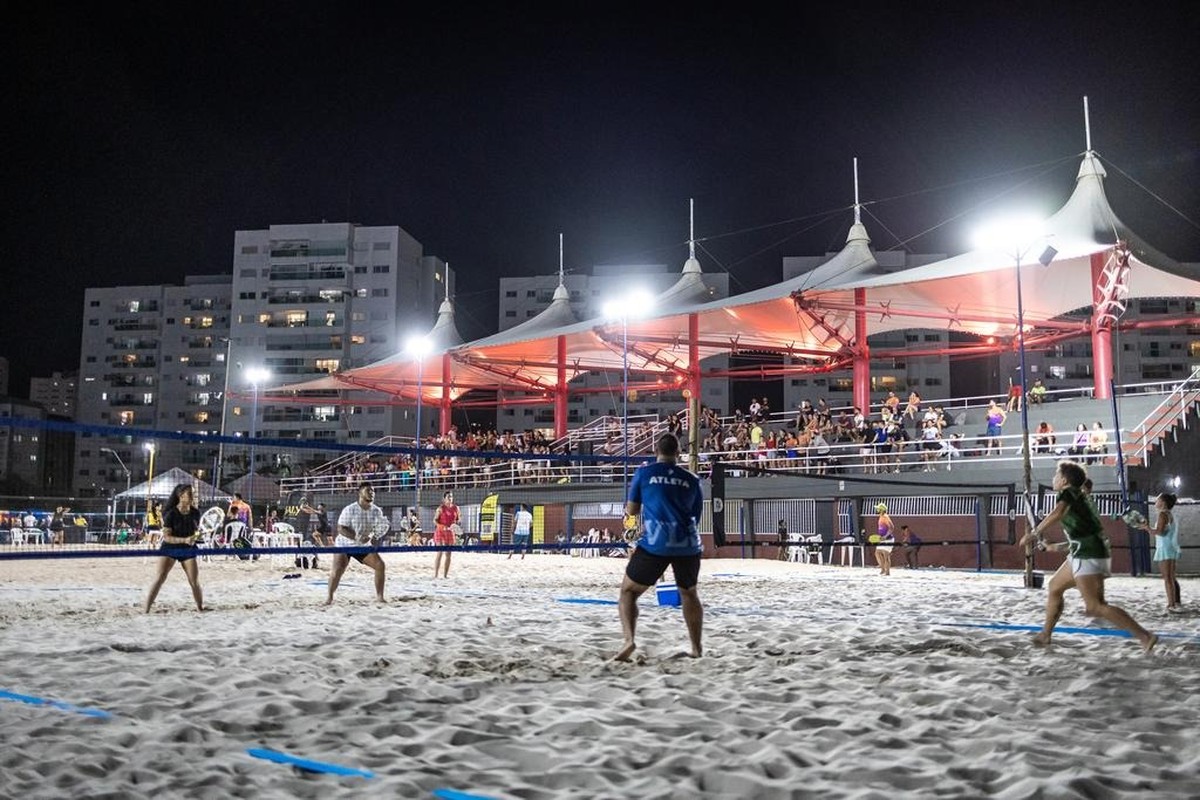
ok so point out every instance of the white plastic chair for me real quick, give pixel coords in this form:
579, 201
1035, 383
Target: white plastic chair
17, 536
794, 551
813, 549
848, 547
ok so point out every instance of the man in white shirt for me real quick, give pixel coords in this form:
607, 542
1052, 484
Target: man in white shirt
361, 524
522, 531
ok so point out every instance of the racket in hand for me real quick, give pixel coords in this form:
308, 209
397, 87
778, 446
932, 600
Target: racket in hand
210, 522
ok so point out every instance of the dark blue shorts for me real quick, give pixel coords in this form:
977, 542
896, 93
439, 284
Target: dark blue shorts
178, 552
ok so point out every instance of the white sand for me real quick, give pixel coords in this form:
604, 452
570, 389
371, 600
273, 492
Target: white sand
817, 681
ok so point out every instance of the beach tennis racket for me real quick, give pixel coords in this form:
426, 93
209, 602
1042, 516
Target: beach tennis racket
457, 530
1134, 518
375, 529
211, 522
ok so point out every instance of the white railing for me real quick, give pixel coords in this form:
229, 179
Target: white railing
1172, 411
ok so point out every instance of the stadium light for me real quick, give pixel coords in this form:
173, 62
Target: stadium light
634, 303
1016, 236
418, 347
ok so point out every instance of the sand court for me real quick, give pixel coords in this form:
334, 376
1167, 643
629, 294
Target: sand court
816, 681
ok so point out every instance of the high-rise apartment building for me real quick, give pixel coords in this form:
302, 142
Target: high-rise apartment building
303, 301
151, 357
56, 394
22, 448
3, 376
310, 300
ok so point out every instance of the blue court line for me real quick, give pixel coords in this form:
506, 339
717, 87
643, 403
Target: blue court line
307, 764
997, 626
59, 704
454, 794
586, 601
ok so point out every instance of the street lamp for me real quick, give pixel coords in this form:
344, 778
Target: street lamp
151, 449
635, 303
257, 376
112, 508
418, 347
1017, 236
224, 415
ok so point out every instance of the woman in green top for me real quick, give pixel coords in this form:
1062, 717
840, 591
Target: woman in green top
1088, 560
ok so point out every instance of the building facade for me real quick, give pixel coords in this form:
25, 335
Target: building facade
56, 394
310, 300
151, 357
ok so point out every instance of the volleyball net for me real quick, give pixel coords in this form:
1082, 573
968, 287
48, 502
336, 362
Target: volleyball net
574, 500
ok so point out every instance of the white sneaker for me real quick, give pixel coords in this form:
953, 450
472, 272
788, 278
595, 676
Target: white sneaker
1177, 609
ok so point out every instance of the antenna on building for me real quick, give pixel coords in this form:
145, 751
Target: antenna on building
691, 227
857, 205
560, 259
446, 280
1087, 124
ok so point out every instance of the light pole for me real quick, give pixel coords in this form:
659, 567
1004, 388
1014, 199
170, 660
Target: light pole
224, 415
257, 376
418, 347
112, 508
634, 303
1017, 236
151, 449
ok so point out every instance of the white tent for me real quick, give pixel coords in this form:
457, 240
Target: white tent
162, 485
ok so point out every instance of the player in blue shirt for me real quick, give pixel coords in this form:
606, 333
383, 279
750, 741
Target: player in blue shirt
670, 501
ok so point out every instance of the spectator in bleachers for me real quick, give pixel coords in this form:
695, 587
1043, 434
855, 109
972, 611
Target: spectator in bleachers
1097, 445
1044, 440
892, 403
914, 405
1014, 396
995, 427
1079, 444
1037, 393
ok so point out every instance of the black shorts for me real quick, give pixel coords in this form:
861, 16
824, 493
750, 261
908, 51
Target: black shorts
179, 552
646, 568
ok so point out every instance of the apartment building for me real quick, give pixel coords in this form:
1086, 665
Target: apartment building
56, 394
310, 300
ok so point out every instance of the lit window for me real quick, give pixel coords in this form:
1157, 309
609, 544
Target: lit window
201, 416
326, 364
206, 322
358, 339
263, 319
296, 319
186, 359
148, 398
125, 418
134, 306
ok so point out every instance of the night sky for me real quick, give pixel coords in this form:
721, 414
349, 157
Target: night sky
138, 137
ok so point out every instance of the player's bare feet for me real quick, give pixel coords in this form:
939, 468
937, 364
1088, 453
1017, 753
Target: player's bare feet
625, 652
1042, 639
1149, 644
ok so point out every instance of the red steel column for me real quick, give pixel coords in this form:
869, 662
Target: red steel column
560, 390
862, 354
1102, 359
445, 416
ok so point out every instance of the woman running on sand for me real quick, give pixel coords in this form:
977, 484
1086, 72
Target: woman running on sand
1088, 561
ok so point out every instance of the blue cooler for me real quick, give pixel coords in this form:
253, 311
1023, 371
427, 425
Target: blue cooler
668, 594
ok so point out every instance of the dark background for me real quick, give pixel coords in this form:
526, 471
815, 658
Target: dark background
138, 137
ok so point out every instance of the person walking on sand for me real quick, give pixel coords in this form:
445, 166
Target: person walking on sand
1089, 558
180, 532
670, 501
885, 539
522, 528
446, 517
1166, 547
360, 524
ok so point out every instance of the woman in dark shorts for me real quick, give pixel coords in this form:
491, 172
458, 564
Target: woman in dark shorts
179, 536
